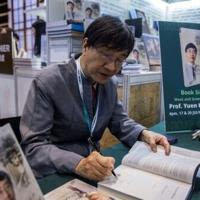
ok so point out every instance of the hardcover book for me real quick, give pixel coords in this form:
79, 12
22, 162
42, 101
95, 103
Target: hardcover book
152, 46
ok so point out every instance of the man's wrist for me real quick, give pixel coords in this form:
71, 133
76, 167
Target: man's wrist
143, 134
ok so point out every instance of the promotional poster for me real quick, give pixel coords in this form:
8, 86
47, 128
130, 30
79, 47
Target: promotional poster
180, 55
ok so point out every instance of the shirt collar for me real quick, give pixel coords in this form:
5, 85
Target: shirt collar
78, 63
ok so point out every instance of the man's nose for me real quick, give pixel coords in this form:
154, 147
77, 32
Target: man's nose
111, 66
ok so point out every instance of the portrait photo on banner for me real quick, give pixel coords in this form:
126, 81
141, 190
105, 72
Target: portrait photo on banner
190, 53
91, 12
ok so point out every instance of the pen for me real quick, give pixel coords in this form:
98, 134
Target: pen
93, 144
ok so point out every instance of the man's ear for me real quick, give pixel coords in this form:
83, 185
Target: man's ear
85, 43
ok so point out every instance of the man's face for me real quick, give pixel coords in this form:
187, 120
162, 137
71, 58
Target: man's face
100, 63
191, 55
6, 191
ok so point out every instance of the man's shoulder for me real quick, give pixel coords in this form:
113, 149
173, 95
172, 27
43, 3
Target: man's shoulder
55, 72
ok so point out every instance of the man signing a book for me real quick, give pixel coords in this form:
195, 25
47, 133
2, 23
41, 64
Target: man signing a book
70, 105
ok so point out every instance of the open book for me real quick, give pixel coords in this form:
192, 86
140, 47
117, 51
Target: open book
17, 181
144, 174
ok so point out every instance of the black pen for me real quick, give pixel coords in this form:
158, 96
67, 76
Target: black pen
93, 144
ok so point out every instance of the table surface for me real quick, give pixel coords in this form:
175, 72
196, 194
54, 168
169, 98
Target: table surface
118, 151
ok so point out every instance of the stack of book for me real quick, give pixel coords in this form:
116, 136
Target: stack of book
27, 62
63, 40
132, 68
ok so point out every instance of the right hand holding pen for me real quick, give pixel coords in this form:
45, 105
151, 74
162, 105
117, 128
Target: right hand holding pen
95, 166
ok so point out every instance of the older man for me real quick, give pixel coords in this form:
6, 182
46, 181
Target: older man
64, 118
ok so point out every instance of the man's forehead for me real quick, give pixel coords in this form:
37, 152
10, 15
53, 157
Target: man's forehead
122, 53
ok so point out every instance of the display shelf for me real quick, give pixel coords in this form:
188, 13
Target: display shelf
39, 11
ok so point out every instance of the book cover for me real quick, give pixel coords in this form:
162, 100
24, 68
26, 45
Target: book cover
73, 190
139, 55
152, 46
17, 181
91, 12
74, 10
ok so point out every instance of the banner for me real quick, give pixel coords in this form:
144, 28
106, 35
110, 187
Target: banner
6, 62
180, 57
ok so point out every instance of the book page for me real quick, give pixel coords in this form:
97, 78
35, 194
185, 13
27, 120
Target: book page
143, 185
186, 152
174, 166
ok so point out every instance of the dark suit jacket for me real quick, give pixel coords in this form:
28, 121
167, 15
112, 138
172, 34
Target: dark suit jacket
54, 132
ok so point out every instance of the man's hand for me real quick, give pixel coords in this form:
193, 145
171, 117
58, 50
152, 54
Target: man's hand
154, 139
95, 166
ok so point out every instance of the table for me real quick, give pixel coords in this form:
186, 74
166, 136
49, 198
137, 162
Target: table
49, 183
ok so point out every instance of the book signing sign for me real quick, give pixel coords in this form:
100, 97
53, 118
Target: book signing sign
180, 57
6, 63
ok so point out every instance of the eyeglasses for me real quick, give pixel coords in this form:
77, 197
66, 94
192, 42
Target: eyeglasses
109, 58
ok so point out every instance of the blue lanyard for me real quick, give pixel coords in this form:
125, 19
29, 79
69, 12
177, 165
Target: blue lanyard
91, 124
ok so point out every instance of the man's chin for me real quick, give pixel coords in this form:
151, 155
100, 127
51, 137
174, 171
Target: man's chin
101, 79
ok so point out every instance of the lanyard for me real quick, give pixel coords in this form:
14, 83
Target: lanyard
91, 124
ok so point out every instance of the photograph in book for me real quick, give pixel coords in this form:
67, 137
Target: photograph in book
72, 190
152, 46
91, 12
17, 181
190, 43
161, 177
74, 10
